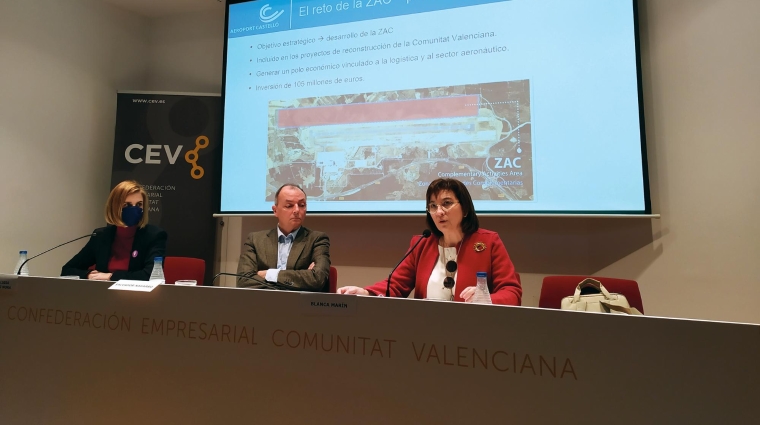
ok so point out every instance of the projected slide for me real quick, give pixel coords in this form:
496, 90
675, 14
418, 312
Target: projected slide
384, 145
533, 104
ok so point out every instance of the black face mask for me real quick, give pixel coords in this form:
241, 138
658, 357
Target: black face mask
131, 215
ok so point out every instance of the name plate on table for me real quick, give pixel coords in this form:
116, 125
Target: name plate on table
8, 283
327, 304
135, 285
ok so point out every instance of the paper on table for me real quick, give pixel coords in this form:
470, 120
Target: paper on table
136, 285
7, 283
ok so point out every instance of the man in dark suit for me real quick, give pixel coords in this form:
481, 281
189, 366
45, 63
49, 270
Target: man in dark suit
289, 256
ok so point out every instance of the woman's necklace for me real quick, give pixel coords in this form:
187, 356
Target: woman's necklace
446, 260
456, 254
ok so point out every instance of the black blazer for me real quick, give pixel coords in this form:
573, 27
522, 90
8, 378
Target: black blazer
150, 242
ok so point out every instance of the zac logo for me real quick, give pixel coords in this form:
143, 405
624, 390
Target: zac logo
153, 155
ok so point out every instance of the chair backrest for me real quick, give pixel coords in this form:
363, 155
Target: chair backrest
554, 288
184, 268
333, 281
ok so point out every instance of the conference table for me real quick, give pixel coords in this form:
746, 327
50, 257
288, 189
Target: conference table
77, 352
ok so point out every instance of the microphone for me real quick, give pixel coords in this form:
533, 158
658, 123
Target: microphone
58, 246
425, 234
270, 285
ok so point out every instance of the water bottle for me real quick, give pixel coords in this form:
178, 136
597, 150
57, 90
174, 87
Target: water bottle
158, 270
482, 296
21, 260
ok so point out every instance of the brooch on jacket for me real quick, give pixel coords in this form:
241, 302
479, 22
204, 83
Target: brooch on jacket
479, 246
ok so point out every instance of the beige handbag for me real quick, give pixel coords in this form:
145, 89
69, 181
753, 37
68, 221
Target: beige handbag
603, 302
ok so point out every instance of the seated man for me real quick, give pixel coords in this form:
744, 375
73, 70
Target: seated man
290, 256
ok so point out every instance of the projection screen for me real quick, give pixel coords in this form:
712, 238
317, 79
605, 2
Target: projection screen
534, 104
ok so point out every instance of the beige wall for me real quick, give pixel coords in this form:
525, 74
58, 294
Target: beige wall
185, 52
702, 100
61, 63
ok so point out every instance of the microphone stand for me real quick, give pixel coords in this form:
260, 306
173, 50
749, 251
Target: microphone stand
257, 279
425, 234
18, 273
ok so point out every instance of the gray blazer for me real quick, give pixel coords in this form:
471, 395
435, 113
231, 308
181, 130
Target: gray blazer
260, 253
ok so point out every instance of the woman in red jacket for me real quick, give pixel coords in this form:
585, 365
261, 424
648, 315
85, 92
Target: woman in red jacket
444, 266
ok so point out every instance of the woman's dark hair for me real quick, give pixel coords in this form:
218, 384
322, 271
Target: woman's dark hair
470, 222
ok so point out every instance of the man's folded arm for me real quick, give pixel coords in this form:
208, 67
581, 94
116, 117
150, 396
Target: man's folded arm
248, 266
314, 279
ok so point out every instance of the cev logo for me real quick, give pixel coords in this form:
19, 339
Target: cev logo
268, 18
153, 155
192, 157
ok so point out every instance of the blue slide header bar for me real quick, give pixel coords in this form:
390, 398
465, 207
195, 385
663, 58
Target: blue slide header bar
267, 16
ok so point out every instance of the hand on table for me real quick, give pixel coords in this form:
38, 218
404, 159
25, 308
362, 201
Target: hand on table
96, 275
468, 293
352, 290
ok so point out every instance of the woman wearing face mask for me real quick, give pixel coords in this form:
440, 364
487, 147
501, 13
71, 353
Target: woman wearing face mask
124, 249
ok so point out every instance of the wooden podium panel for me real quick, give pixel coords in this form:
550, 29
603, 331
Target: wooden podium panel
74, 352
